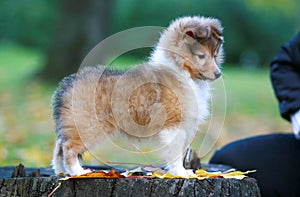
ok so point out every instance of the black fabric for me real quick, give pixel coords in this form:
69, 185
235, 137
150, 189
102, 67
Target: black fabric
285, 76
276, 157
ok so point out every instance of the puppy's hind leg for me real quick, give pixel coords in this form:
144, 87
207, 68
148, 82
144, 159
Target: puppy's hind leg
72, 151
57, 161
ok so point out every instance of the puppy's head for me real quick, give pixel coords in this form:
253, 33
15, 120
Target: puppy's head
195, 44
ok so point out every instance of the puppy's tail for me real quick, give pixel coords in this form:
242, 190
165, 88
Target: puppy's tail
57, 98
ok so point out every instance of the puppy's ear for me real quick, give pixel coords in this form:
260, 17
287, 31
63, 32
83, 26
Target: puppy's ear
190, 33
197, 34
189, 37
216, 29
202, 33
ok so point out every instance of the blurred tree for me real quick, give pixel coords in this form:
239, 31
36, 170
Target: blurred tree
27, 22
253, 29
80, 26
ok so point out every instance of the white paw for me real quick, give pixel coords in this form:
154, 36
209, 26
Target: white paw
79, 171
189, 172
181, 171
85, 171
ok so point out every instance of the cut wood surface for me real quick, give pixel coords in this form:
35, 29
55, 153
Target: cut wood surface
43, 186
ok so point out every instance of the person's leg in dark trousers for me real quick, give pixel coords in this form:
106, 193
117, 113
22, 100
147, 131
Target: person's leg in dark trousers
276, 157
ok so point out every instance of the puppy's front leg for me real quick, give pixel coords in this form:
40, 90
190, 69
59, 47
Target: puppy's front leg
172, 151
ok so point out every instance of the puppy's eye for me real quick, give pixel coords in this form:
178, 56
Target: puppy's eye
201, 56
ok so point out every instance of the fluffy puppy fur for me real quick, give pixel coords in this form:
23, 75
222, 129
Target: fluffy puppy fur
162, 101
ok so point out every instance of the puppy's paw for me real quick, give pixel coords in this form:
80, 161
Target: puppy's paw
79, 171
186, 173
189, 172
181, 171
85, 171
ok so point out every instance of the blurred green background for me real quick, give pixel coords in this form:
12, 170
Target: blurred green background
41, 41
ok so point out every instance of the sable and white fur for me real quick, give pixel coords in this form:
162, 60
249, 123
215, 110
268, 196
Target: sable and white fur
162, 101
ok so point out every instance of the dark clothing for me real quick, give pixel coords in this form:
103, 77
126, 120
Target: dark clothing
285, 76
276, 158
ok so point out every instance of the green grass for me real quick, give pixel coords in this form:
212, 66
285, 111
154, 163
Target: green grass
17, 63
26, 128
254, 87
252, 108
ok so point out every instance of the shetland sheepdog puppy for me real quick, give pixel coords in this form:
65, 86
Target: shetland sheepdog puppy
162, 102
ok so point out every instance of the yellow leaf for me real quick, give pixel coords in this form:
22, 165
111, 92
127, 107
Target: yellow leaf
65, 178
237, 174
167, 175
159, 174
205, 174
228, 174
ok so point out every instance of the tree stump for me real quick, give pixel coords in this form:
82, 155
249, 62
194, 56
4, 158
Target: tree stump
43, 186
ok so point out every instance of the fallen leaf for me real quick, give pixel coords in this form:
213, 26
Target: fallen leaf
167, 175
202, 174
99, 174
130, 173
237, 174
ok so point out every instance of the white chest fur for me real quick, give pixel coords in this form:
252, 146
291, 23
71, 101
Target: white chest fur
197, 92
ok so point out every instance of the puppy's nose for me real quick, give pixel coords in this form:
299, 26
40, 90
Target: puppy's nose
217, 74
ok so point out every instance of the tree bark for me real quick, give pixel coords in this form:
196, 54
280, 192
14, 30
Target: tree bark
32, 186
26, 183
81, 25
43, 186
